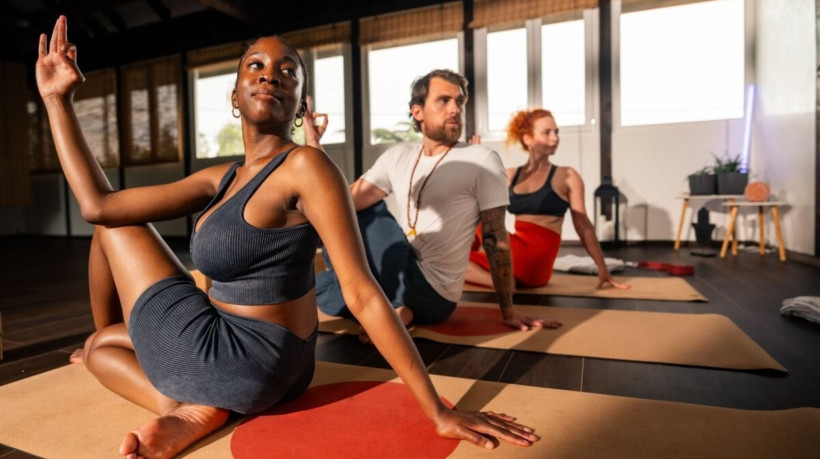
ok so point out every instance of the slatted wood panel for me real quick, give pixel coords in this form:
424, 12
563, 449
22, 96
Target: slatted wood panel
15, 188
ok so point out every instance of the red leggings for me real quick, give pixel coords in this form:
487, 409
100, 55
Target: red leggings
534, 249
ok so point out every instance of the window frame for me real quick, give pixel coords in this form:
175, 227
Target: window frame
372, 151
748, 67
124, 91
534, 70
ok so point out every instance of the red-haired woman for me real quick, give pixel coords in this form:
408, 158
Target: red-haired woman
540, 195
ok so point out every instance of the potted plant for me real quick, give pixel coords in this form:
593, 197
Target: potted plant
730, 180
702, 182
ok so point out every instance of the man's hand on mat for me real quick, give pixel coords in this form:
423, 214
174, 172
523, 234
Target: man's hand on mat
608, 282
524, 323
483, 428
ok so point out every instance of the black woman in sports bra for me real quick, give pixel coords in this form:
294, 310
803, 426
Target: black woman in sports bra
540, 195
247, 344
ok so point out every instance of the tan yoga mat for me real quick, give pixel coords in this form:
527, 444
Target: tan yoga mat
708, 340
643, 288
67, 413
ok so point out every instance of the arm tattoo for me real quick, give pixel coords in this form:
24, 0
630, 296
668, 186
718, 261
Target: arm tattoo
497, 245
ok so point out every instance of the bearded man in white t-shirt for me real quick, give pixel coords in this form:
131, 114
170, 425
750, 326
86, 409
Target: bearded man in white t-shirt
443, 189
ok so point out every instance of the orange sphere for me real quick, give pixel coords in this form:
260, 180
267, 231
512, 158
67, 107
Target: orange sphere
757, 192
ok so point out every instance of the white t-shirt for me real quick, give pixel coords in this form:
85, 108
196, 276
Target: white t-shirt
468, 180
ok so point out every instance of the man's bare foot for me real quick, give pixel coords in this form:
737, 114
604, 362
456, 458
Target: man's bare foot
167, 435
405, 314
77, 357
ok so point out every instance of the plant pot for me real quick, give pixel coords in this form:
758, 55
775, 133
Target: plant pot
732, 182
701, 184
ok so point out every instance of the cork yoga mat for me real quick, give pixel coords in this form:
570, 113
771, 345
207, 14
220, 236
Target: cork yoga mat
643, 288
707, 340
67, 413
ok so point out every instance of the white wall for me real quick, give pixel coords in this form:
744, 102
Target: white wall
651, 163
784, 150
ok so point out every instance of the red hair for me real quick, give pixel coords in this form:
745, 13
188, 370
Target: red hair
522, 124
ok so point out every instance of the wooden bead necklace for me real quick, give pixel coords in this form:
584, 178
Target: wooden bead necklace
412, 232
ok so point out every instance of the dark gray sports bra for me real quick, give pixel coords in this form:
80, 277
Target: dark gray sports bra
250, 265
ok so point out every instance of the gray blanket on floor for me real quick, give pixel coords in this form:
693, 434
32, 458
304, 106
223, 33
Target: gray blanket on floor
585, 265
806, 307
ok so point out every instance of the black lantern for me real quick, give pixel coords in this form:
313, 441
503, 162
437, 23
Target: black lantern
607, 214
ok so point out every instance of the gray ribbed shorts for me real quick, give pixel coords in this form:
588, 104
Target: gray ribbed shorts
193, 352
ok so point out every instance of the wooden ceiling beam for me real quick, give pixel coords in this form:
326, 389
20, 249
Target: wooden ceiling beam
236, 9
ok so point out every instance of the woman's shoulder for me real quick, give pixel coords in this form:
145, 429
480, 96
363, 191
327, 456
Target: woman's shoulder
305, 160
566, 172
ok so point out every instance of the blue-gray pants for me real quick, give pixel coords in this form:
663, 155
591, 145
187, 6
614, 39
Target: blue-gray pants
393, 264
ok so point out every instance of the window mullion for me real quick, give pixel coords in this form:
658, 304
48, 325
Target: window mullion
534, 63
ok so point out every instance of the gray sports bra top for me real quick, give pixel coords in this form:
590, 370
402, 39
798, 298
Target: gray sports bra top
250, 265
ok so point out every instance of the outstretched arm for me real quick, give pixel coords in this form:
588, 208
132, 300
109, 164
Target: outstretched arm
58, 77
326, 202
586, 231
496, 243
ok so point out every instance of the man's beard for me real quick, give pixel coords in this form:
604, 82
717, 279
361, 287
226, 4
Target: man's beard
443, 133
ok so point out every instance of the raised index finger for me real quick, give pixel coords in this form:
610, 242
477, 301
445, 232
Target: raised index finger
41, 46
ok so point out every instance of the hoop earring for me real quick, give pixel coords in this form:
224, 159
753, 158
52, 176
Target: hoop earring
235, 112
300, 120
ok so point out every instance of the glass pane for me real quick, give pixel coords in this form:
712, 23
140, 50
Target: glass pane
35, 160
167, 114
96, 107
329, 94
391, 72
140, 117
669, 74
563, 72
217, 132
506, 76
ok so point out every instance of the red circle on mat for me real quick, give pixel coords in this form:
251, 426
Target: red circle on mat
471, 321
351, 419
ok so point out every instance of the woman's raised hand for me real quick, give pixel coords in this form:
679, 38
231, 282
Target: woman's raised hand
313, 132
56, 69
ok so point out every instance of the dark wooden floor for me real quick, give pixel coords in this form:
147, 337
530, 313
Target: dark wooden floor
45, 315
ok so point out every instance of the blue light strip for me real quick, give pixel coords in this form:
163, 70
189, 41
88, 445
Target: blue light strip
747, 128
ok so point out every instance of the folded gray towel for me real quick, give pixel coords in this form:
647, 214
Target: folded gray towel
585, 265
806, 307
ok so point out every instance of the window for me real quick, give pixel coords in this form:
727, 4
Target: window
563, 71
151, 98
506, 76
329, 94
218, 133
391, 72
682, 63
326, 69
542, 64
42, 153
96, 105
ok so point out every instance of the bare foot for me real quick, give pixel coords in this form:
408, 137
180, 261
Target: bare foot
405, 314
167, 435
77, 357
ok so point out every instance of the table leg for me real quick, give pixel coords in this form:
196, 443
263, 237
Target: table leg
776, 218
680, 224
762, 226
729, 230
734, 229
